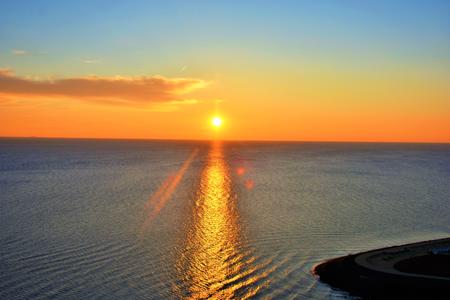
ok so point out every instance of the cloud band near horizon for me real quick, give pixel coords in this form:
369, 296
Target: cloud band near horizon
108, 90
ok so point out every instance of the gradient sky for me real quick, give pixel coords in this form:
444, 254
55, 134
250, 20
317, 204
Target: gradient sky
279, 70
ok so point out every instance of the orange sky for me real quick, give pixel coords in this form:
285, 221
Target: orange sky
320, 106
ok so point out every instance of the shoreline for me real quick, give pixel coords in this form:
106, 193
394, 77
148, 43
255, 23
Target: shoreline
392, 272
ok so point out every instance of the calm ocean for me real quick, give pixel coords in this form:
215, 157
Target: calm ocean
111, 219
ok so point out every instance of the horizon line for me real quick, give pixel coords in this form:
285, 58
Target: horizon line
225, 140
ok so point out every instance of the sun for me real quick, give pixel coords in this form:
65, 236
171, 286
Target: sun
216, 121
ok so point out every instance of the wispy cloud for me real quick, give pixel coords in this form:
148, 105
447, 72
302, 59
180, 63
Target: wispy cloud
19, 52
91, 61
173, 105
22, 52
108, 90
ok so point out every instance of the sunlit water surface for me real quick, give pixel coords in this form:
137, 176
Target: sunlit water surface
92, 219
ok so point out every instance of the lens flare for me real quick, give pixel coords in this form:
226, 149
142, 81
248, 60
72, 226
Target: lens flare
160, 198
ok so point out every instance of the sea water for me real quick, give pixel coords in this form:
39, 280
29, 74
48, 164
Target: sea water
128, 219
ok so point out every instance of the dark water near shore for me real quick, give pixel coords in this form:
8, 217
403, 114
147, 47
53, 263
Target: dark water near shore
90, 219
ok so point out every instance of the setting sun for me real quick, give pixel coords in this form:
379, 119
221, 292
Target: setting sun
216, 121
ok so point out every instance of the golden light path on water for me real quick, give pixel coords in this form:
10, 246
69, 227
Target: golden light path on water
213, 263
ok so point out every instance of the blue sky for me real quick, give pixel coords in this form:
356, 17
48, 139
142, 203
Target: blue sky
138, 36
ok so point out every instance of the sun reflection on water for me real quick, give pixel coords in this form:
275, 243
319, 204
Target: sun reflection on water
213, 263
